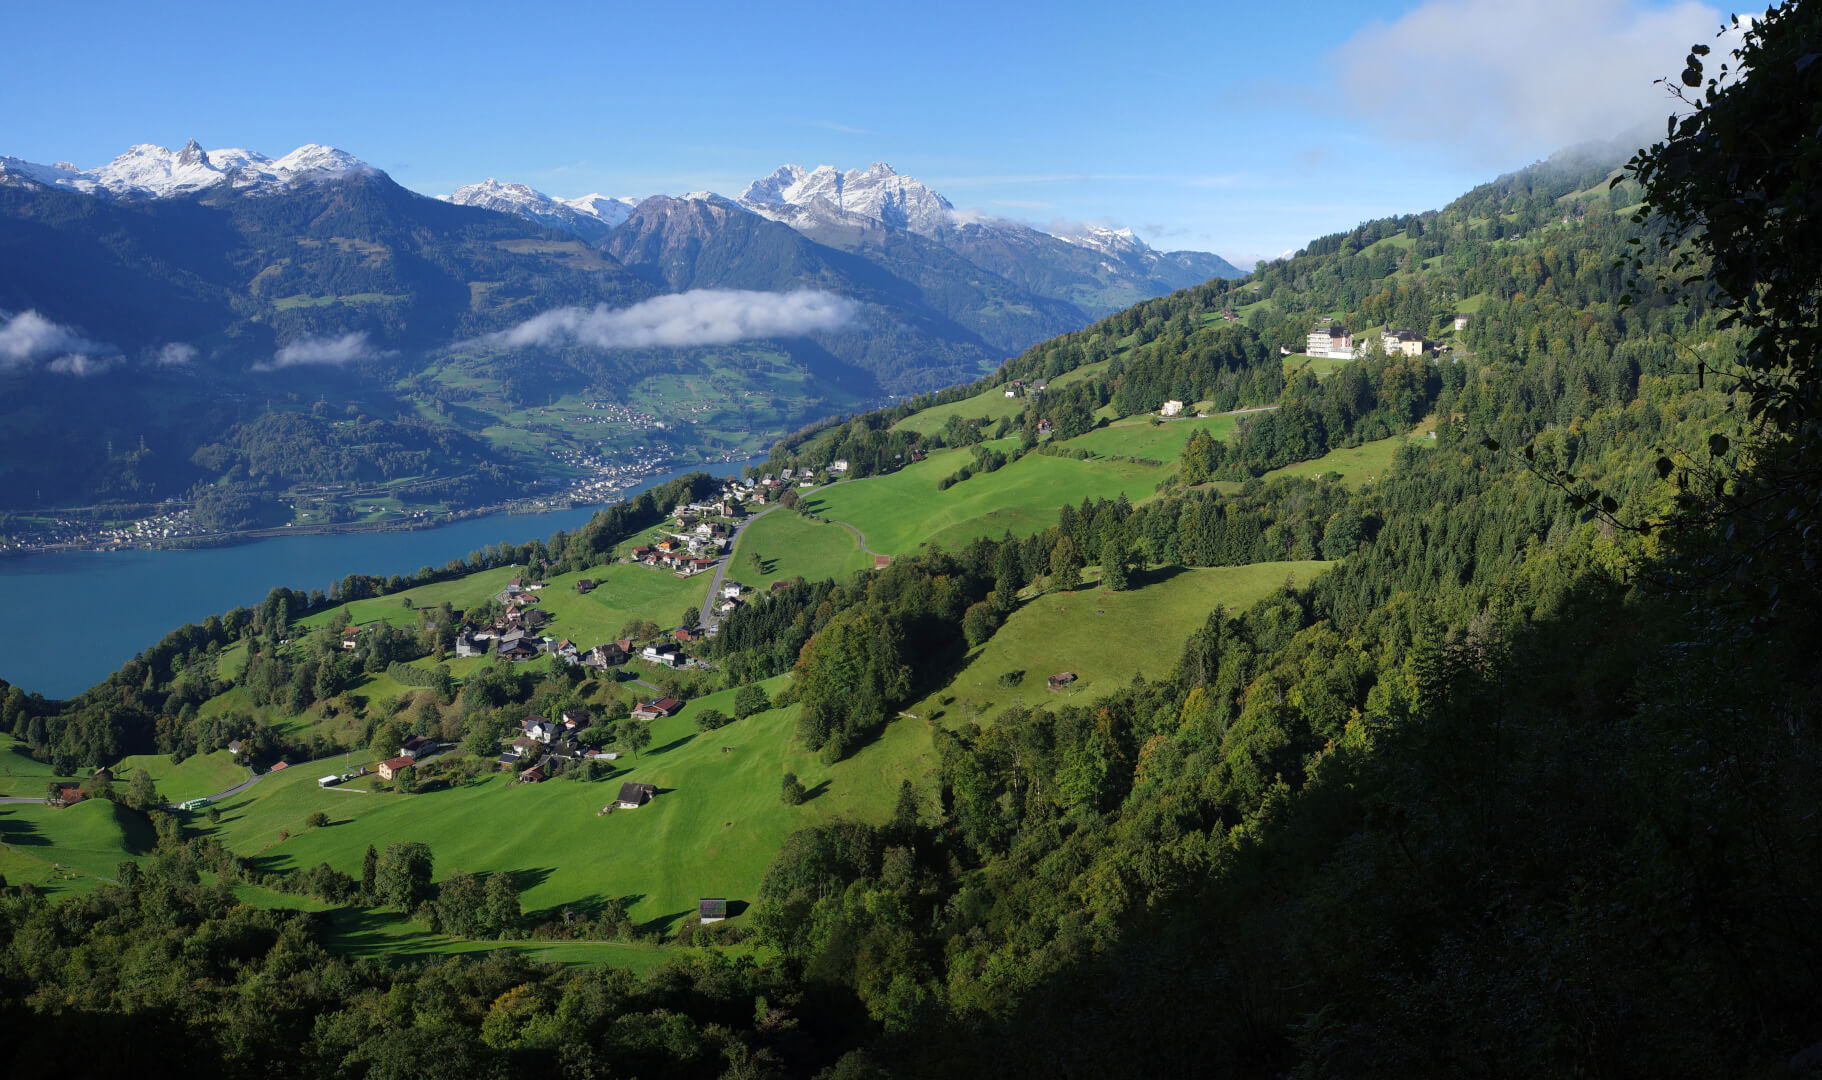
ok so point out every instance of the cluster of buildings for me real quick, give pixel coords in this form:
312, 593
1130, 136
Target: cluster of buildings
175, 524
1021, 388
1333, 340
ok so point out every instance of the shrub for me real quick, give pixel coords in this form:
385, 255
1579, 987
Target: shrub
793, 792
316, 820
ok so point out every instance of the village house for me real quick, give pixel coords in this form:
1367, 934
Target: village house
652, 710
1402, 343
662, 653
350, 637
606, 655
523, 745
731, 591
585, 586
468, 644
518, 646
633, 796
1173, 407
540, 729
391, 766
416, 747
1461, 323
839, 465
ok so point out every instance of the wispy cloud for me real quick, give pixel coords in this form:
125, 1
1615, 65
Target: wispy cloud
175, 354
323, 352
697, 317
29, 339
1490, 80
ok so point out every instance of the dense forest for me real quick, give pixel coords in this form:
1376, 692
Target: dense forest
1525, 785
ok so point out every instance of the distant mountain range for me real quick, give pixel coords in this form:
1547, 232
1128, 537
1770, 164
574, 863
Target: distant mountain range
1097, 268
198, 280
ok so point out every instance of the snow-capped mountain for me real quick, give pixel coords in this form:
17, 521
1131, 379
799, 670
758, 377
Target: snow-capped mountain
589, 217
155, 172
1118, 243
824, 195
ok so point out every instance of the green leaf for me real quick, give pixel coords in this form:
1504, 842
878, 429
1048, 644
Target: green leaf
1717, 444
1665, 467
1490, 444
1609, 504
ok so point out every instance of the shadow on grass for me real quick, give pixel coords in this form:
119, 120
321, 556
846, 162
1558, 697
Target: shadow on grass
20, 833
665, 924
673, 744
816, 791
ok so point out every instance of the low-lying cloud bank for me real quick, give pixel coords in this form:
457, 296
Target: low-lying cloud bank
697, 317
28, 339
323, 352
1492, 80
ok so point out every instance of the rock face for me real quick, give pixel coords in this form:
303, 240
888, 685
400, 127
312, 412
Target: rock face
825, 196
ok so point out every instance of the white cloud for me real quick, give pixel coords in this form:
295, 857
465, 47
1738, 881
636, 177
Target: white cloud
1492, 80
29, 338
81, 365
323, 352
698, 317
174, 354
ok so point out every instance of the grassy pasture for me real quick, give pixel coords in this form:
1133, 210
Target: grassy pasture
904, 511
990, 404
1320, 366
87, 840
21, 775
791, 546
711, 832
1140, 438
196, 776
1102, 636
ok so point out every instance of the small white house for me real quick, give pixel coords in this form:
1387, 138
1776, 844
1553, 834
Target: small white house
1173, 407
730, 592
839, 465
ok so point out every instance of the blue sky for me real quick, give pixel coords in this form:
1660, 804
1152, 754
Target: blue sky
1242, 129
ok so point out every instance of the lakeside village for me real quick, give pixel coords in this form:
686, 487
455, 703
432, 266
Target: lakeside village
600, 481
697, 540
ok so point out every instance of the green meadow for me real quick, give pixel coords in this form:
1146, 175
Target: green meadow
1140, 438
194, 777
711, 831
990, 404
789, 545
904, 511
21, 775
1104, 637
71, 849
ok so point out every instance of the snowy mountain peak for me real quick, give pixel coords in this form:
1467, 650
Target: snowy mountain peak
826, 196
589, 217
149, 171
1103, 238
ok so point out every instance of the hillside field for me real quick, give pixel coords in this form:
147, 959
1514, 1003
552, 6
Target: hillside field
790, 545
1104, 637
70, 849
904, 511
711, 831
1138, 437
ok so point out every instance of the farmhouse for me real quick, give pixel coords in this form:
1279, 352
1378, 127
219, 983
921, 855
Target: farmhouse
1060, 680
633, 796
540, 729
839, 465
391, 766
652, 710
585, 586
711, 909
350, 637
416, 747
605, 655
1173, 407
468, 644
